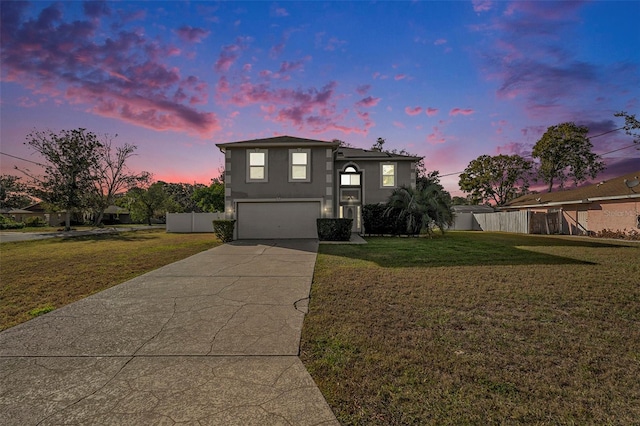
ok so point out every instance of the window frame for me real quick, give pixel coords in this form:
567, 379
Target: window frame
265, 166
395, 175
307, 165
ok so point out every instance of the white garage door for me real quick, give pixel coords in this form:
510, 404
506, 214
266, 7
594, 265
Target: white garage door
277, 220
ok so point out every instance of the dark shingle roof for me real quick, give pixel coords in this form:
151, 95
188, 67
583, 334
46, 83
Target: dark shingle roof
345, 153
615, 188
277, 141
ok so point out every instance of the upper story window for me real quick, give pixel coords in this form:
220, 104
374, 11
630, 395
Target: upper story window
257, 166
388, 172
300, 165
350, 177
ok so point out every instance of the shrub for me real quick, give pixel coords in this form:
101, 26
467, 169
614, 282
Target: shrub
35, 222
334, 229
376, 222
8, 223
223, 229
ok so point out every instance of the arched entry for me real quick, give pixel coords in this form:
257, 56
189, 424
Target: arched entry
350, 201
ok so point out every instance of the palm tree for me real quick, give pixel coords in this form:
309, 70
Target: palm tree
421, 208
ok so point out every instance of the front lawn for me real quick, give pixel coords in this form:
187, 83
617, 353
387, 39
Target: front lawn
477, 328
38, 276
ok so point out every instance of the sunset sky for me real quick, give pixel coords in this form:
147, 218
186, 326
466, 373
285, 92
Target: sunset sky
447, 80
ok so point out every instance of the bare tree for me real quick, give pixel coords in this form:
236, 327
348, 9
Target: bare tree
112, 176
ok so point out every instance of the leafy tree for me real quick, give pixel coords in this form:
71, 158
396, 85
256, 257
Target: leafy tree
13, 193
210, 198
496, 179
145, 204
112, 176
566, 153
343, 143
182, 196
379, 145
631, 125
421, 208
462, 201
70, 157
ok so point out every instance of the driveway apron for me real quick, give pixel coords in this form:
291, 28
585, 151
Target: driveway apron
212, 339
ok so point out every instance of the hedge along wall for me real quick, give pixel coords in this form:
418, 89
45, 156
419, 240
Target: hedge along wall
376, 222
334, 229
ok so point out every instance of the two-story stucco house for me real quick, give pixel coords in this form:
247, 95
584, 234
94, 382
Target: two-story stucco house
277, 187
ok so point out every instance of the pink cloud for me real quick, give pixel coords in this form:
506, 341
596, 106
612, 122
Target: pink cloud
431, 111
440, 42
293, 66
413, 111
362, 90
400, 77
368, 102
398, 125
436, 137
122, 77
514, 148
313, 110
482, 5
227, 57
460, 111
191, 34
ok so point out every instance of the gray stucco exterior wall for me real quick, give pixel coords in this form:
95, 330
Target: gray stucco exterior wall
277, 185
372, 190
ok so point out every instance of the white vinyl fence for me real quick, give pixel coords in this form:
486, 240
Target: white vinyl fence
465, 222
517, 222
192, 222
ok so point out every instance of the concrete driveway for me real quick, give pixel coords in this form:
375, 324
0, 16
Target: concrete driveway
212, 339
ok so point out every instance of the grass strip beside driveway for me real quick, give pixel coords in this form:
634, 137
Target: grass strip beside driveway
38, 276
477, 328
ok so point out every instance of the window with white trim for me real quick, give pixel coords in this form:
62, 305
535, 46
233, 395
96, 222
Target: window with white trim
388, 173
299, 165
350, 177
257, 167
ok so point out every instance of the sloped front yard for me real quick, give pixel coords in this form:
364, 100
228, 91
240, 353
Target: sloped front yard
477, 328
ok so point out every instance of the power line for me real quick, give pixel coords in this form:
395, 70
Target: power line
591, 137
23, 159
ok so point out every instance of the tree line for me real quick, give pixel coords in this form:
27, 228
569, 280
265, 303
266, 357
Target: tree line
563, 155
83, 172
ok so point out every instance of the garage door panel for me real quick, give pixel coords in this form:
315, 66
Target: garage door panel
277, 220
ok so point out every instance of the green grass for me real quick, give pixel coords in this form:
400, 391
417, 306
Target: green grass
39, 275
477, 328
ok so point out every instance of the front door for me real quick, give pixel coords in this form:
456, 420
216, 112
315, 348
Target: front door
352, 212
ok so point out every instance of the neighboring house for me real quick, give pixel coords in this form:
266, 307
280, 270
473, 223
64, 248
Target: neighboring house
277, 187
53, 219
17, 215
613, 204
112, 215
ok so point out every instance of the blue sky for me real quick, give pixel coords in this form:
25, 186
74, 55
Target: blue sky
447, 80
